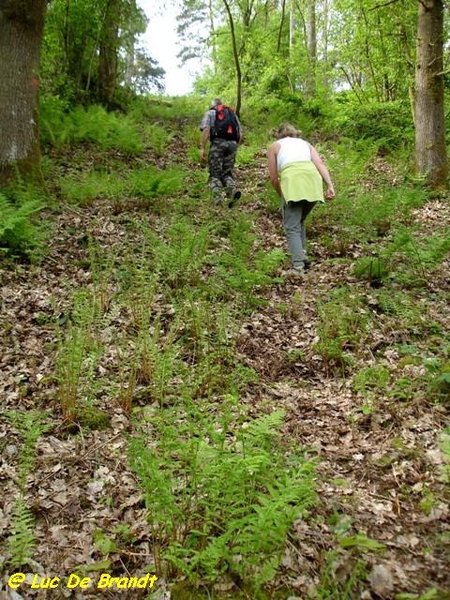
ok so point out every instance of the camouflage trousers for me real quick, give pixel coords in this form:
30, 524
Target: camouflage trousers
221, 158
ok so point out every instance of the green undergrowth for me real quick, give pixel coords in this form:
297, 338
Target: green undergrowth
106, 130
21, 541
22, 234
155, 329
222, 493
177, 371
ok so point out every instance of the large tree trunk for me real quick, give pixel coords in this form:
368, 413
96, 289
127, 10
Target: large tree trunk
237, 62
430, 148
21, 29
109, 43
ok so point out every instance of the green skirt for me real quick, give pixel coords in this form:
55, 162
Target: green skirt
301, 181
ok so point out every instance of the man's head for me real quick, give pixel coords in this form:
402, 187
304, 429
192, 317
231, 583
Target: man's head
216, 102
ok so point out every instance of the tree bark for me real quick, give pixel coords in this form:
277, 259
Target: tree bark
430, 147
108, 55
237, 62
311, 46
21, 30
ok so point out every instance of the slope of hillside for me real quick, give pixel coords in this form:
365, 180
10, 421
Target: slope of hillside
133, 289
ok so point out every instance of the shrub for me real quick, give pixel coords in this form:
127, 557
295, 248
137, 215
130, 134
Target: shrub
389, 123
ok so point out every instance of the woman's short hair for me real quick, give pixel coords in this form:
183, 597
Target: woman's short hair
286, 130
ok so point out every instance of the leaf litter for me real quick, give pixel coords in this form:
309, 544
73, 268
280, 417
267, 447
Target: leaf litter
374, 468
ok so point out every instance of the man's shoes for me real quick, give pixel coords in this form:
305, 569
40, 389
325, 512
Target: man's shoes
234, 198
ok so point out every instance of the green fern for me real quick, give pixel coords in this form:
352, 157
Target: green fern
199, 524
17, 231
150, 182
31, 426
372, 268
21, 542
400, 305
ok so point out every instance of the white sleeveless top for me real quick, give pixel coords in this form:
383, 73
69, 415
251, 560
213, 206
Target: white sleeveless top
292, 150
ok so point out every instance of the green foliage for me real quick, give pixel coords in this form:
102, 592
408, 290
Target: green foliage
179, 260
107, 130
69, 370
334, 587
371, 378
374, 215
267, 262
21, 541
157, 137
78, 353
103, 543
431, 594
199, 524
152, 182
342, 327
238, 268
19, 234
440, 382
142, 183
30, 425
76, 38
184, 291
83, 188
336, 581
266, 112
388, 124
405, 259
369, 48
400, 305
445, 445
361, 543
54, 120
371, 268
178, 112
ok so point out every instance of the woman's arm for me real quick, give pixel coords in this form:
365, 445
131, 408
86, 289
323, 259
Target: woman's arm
273, 168
320, 166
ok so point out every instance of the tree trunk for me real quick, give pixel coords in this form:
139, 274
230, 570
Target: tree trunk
109, 42
430, 147
21, 30
280, 28
237, 62
291, 30
311, 46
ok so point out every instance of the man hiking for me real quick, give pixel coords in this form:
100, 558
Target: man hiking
220, 127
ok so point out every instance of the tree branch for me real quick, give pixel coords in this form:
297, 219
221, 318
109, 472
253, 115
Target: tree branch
388, 3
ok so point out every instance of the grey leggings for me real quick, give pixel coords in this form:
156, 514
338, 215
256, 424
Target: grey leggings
294, 215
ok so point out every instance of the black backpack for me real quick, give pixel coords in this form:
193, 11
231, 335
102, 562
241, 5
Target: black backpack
226, 125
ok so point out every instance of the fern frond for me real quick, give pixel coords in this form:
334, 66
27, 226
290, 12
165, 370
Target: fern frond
31, 425
17, 231
21, 542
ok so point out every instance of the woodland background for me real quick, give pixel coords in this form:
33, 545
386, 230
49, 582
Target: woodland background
171, 403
